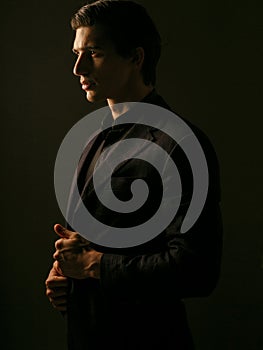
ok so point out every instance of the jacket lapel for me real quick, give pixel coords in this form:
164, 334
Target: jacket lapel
73, 199
136, 131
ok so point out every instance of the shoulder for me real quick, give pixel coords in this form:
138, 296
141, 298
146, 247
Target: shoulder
191, 131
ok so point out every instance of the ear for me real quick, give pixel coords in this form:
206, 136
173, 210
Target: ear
138, 57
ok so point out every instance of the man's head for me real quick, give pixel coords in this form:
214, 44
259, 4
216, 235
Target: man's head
127, 28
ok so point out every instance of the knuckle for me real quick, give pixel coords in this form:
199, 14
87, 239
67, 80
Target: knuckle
77, 236
58, 244
55, 267
49, 293
47, 284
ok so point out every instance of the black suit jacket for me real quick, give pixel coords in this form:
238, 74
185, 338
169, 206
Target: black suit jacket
138, 302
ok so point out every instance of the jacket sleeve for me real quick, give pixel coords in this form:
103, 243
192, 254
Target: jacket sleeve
182, 264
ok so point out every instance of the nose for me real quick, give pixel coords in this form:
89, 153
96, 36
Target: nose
82, 66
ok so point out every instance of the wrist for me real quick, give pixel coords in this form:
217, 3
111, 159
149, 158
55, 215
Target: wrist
93, 268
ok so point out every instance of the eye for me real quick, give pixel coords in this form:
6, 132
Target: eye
75, 53
93, 53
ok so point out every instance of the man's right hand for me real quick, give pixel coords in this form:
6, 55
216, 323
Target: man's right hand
56, 290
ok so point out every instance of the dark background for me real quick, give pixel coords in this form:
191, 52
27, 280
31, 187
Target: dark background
210, 73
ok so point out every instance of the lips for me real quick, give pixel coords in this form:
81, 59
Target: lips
87, 85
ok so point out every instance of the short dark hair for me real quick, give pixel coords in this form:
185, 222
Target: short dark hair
129, 26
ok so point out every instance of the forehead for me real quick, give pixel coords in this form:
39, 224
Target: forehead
93, 36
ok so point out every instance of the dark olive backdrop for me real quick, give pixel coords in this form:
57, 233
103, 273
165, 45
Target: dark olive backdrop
210, 73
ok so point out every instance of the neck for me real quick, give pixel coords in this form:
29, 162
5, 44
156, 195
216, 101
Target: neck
133, 96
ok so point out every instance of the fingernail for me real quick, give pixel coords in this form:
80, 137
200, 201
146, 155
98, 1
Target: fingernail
59, 228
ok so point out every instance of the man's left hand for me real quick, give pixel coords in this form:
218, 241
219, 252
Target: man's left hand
74, 256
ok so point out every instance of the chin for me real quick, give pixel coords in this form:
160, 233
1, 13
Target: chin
94, 98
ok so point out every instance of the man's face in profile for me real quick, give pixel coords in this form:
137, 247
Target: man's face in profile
104, 74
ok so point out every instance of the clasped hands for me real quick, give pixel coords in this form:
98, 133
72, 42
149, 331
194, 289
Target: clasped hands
74, 258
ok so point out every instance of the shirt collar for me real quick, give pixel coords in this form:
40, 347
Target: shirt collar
109, 122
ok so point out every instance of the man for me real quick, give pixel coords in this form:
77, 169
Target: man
131, 298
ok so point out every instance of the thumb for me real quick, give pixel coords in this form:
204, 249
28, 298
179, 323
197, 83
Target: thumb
62, 231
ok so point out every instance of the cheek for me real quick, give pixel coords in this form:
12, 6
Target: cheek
113, 76
121, 75
114, 70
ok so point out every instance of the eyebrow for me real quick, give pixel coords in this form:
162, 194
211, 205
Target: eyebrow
87, 48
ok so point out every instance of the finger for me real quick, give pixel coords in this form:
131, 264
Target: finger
58, 302
64, 244
60, 307
56, 272
57, 282
62, 231
68, 244
59, 243
58, 293
58, 255
57, 267
53, 287
54, 294
81, 239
